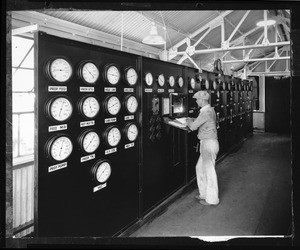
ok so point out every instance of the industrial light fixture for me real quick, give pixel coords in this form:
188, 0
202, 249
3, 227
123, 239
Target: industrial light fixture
268, 22
153, 38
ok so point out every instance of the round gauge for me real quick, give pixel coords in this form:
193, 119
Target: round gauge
112, 136
192, 83
88, 72
161, 80
214, 85
200, 78
131, 76
59, 108
229, 86
89, 106
112, 104
59, 147
206, 84
224, 86
149, 79
112, 74
171, 81
101, 171
131, 104
59, 69
180, 81
218, 94
89, 141
131, 132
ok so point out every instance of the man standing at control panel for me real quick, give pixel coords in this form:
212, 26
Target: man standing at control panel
209, 147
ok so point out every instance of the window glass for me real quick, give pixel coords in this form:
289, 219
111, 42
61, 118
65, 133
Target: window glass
20, 47
22, 79
15, 135
23, 102
26, 134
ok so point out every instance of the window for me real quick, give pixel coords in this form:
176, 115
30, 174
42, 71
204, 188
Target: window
23, 97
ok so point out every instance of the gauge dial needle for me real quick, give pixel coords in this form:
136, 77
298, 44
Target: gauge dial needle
61, 147
91, 141
91, 73
61, 108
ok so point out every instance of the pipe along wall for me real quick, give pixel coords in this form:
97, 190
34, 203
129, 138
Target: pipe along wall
105, 157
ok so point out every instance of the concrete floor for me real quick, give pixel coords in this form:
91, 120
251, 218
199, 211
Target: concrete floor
254, 191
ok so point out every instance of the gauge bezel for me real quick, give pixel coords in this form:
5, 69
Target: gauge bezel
81, 139
95, 167
49, 103
49, 143
105, 104
126, 78
125, 103
125, 131
106, 132
146, 73
48, 73
164, 79
207, 84
192, 82
178, 80
80, 69
106, 68
169, 81
80, 105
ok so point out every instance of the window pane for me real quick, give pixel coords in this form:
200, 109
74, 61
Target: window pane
22, 79
15, 135
26, 134
23, 102
20, 47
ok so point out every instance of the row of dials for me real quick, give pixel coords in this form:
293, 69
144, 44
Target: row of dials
161, 80
60, 70
60, 108
60, 146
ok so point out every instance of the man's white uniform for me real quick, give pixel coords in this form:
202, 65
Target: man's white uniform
209, 148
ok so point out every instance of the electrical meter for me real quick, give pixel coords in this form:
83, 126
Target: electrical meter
161, 80
171, 81
229, 86
112, 105
206, 84
131, 132
59, 108
148, 78
59, 147
89, 141
131, 104
112, 74
59, 69
89, 106
112, 136
131, 76
101, 171
88, 72
180, 81
214, 85
192, 83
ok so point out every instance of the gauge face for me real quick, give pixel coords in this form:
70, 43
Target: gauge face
224, 86
131, 132
89, 72
103, 171
229, 86
90, 106
149, 79
218, 94
180, 81
214, 85
90, 141
192, 83
131, 104
60, 109
206, 84
112, 74
171, 81
131, 76
161, 80
60, 70
60, 148
113, 136
113, 105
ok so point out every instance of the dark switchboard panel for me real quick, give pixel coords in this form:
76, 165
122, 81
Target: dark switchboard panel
163, 157
88, 106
